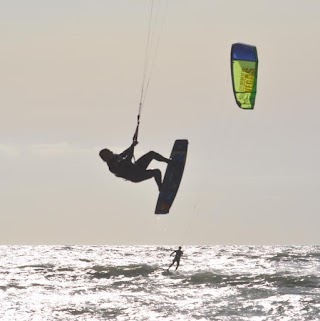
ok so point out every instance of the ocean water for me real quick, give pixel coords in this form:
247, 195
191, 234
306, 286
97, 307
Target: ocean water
131, 283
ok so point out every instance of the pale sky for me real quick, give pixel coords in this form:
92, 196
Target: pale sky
70, 82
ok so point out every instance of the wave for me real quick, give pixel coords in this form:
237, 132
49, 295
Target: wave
37, 266
76, 312
12, 286
132, 270
291, 255
277, 280
288, 280
85, 260
65, 269
104, 313
283, 279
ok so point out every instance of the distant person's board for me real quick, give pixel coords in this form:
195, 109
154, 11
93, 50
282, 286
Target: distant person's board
172, 177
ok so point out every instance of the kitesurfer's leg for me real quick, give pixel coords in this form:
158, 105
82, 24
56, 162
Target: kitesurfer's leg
157, 177
170, 265
145, 160
178, 263
147, 174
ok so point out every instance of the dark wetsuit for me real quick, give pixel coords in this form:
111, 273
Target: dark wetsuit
176, 258
122, 166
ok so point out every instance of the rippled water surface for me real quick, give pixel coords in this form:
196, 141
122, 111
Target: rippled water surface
131, 283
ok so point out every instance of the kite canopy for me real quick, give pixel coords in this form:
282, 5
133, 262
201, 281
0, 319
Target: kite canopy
244, 72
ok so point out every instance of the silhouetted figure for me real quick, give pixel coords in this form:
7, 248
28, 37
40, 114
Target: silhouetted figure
178, 254
122, 165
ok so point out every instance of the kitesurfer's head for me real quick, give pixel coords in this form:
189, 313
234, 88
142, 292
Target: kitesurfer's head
106, 154
179, 247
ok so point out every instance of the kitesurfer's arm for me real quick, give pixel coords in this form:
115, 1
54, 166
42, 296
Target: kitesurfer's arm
128, 153
172, 253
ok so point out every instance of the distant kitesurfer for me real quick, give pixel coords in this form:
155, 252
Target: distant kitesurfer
122, 165
178, 254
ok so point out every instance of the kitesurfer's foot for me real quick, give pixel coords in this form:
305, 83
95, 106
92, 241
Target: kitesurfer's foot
174, 162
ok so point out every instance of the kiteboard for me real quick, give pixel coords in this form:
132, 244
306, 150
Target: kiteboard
172, 177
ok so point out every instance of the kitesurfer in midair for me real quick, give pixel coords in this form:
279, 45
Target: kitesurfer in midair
122, 165
178, 253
